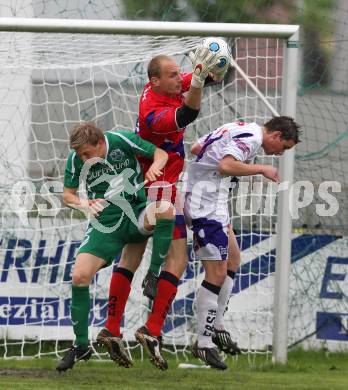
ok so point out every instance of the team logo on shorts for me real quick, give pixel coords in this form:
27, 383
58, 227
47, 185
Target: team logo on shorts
117, 155
223, 250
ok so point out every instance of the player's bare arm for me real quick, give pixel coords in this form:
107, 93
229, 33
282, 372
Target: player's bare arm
160, 159
70, 196
230, 166
92, 206
196, 148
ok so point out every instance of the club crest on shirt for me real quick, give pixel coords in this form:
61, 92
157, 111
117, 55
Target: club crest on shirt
117, 155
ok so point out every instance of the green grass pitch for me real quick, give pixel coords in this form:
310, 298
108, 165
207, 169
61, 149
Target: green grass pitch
305, 370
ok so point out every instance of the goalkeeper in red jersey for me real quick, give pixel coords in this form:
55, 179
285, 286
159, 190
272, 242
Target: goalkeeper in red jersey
164, 113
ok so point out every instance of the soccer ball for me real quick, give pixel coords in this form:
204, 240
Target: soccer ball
219, 46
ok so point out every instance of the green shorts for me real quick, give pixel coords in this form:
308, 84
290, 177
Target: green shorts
108, 245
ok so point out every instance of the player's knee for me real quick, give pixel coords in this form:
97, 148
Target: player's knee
165, 210
217, 274
216, 279
221, 276
81, 279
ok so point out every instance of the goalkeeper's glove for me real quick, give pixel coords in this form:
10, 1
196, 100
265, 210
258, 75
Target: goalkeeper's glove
203, 60
218, 75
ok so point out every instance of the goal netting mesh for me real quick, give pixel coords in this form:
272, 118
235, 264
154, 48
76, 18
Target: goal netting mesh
50, 82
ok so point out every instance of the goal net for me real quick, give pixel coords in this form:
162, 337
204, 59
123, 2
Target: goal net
50, 82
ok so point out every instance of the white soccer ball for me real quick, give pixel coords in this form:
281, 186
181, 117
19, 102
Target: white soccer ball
220, 47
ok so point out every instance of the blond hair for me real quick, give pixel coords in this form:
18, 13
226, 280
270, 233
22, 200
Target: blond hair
85, 133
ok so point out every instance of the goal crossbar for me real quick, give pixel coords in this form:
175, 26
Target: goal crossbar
146, 27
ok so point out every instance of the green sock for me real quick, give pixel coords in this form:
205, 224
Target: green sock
162, 238
80, 304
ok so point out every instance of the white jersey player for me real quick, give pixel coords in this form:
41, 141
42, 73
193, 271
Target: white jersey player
222, 157
207, 188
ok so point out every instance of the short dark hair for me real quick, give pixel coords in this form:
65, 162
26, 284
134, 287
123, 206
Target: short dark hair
85, 133
287, 126
154, 67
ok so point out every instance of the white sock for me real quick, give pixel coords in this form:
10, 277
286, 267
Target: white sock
207, 304
223, 299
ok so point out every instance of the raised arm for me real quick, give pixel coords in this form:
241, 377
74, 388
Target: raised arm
202, 61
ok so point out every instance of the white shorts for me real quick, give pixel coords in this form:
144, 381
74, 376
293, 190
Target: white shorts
210, 230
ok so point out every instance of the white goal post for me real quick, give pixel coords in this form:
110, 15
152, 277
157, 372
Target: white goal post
288, 34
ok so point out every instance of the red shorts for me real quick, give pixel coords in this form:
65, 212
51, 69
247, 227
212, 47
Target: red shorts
179, 228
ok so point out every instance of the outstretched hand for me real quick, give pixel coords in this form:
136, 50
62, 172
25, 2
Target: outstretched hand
270, 173
203, 60
152, 174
